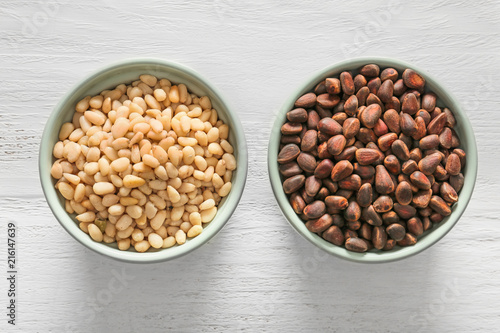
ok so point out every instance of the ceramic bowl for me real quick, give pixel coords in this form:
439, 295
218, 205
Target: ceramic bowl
126, 72
463, 129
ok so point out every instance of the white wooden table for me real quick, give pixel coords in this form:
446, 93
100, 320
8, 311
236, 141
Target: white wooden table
257, 274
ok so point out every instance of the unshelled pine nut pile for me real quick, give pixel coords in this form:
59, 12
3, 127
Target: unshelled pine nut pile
369, 160
144, 165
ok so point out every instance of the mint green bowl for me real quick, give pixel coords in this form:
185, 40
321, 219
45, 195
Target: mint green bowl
463, 129
126, 72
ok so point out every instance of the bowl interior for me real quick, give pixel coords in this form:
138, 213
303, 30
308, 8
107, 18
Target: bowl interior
463, 129
110, 77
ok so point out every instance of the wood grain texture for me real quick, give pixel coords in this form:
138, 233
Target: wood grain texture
257, 274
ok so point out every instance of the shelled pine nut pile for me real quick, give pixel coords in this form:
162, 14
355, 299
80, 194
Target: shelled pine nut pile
144, 165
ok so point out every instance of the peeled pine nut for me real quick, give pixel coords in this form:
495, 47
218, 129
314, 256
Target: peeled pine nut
80, 193
66, 130
120, 164
137, 235
160, 95
168, 242
208, 215
86, 217
132, 181
125, 233
194, 231
123, 222
173, 95
207, 204
95, 232
195, 218
150, 80
215, 149
66, 190
96, 102
142, 246
83, 105
230, 161
103, 188
205, 103
155, 240
225, 189
162, 231
124, 244
56, 171
134, 211
157, 221
180, 237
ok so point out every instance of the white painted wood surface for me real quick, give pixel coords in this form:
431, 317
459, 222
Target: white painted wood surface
257, 274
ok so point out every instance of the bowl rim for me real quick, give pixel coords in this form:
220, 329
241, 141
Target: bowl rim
432, 236
222, 217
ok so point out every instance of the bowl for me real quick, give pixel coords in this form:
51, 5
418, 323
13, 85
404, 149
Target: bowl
430, 237
126, 72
